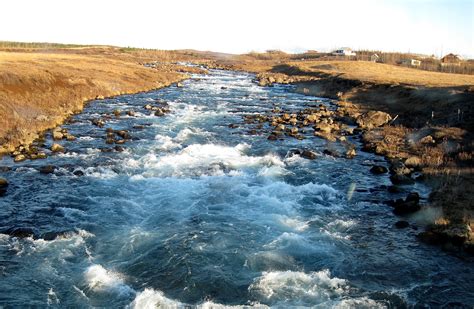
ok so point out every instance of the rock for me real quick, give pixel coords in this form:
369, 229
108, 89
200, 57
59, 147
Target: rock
41, 155
57, 135
109, 140
138, 127
373, 119
294, 130
98, 122
402, 224
179, 85
70, 137
327, 136
19, 158
378, 169
311, 118
399, 168
272, 137
148, 107
407, 206
47, 169
427, 140
57, 148
131, 113
20, 232
398, 179
413, 197
280, 127
123, 134
159, 113
351, 153
331, 153
307, 154
394, 189
3, 183
233, 126
286, 117
323, 127
413, 161
78, 173
120, 141
119, 148
117, 113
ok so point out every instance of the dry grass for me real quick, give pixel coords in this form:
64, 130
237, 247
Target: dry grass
384, 73
39, 90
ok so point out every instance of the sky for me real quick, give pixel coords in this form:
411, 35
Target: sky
237, 26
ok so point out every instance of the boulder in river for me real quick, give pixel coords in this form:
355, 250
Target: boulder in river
19, 158
47, 169
57, 148
57, 134
373, 119
3, 183
351, 153
398, 179
308, 154
378, 169
410, 205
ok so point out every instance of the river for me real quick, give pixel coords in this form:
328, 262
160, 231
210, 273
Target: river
194, 212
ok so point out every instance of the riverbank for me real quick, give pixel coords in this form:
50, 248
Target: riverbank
428, 137
40, 89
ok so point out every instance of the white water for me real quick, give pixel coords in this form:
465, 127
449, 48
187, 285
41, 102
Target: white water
194, 213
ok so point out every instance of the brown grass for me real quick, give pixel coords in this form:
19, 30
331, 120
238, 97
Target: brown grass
39, 90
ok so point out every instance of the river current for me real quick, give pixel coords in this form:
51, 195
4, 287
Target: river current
196, 213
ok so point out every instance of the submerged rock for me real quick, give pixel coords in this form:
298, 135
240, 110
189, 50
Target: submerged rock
351, 153
47, 169
401, 180
308, 154
378, 169
78, 173
402, 224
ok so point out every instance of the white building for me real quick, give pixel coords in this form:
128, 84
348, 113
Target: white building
344, 51
411, 62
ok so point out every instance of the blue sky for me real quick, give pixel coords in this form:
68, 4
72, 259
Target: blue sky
421, 26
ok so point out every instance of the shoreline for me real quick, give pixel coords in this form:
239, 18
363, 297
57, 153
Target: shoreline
453, 230
39, 100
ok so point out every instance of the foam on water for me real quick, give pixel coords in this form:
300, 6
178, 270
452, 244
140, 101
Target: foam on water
207, 159
152, 299
296, 288
99, 279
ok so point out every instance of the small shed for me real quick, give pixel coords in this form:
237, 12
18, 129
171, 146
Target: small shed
411, 62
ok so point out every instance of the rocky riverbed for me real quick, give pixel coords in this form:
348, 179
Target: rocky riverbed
219, 192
